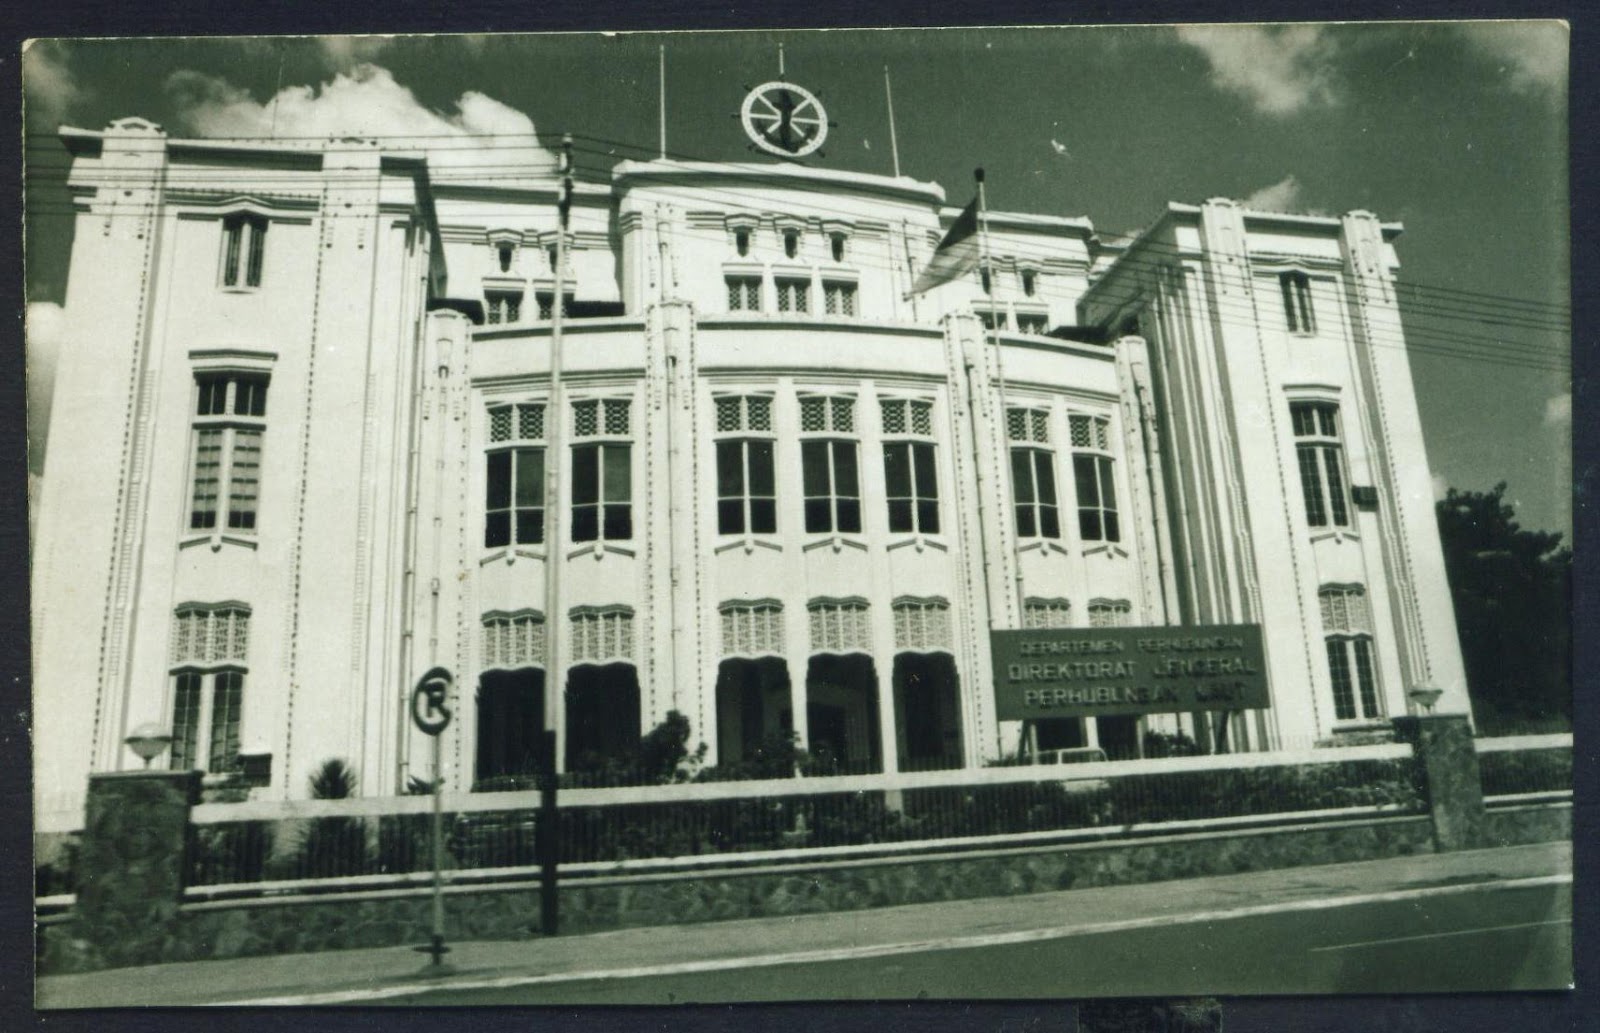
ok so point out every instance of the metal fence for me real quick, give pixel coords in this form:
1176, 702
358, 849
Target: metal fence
307, 846
1525, 768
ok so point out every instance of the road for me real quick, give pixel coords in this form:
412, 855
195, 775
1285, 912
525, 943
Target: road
1465, 939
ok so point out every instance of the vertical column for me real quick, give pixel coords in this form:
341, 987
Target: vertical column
1418, 589
132, 863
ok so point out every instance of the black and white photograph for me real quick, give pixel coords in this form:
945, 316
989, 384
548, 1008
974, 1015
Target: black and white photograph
1030, 513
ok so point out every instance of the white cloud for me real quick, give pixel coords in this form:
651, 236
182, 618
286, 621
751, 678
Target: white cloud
48, 85
1531, 55
1282, 196
45, 322
346, 52
1558, 410
1279, 70
491, 140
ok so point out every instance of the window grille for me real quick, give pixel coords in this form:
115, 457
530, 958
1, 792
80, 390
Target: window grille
1090, 432
210, 636
903, 416
1110, 613
1047, 613
513, 640
1031, 324
839, 299
744, 294
604, 637
753, 629
743, 412
503, 307
922, 627
827, 414
794, 295
839, 628
1028, 425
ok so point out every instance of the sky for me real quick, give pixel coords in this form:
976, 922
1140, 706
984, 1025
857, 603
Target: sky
1456, 130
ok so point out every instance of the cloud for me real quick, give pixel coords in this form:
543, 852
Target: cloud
346, 52
482, 140
48, 86
1441, 487
1059, 148
45, 324
1278, 70
1532, 55
1558, 410
1282, 196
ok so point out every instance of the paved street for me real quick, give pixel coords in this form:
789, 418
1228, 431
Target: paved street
1475, 920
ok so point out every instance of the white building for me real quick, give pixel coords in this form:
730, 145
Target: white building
290, 470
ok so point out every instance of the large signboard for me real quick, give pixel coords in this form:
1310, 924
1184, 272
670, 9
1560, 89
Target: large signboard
1090, 672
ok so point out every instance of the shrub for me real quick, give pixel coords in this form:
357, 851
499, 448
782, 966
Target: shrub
333, 847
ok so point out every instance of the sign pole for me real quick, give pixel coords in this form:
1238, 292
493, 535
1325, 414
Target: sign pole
438, 949
430, 711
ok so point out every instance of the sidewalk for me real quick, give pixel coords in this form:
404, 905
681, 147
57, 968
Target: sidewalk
358, 976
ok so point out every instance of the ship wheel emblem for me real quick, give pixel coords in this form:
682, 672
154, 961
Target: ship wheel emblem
784, 119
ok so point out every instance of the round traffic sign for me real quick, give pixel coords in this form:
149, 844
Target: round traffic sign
430, 707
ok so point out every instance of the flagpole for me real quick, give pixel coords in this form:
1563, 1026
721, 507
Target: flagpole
661, 82
992, 334
894, 144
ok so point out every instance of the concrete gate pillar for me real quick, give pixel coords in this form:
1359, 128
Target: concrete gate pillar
1447, 764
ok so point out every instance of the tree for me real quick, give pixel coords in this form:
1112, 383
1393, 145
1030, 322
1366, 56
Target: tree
333, 846
1512, 590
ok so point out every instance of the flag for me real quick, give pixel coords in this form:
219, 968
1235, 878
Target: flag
957, 253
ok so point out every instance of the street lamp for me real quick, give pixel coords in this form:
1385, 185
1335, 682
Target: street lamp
1425, 696
149, 741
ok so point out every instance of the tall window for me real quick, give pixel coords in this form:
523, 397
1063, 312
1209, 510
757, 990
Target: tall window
794, 295
791, 243
230, 418
911, 484
741, 241
839, 299
836, 246
502, 306
744, 294
244, 242
1030, 282
510, 694
208, 668
746, 485
1347, 627
828, 466
514, 502
1033, 473
1318, 450
506, 251
1093, 472
602, 471
1296, 288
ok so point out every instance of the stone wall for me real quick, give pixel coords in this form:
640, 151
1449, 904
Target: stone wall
242, 929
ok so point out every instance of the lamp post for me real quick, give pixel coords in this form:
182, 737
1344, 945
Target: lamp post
148, 741
1425, 696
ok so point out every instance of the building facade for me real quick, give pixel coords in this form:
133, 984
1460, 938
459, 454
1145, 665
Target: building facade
298, 443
